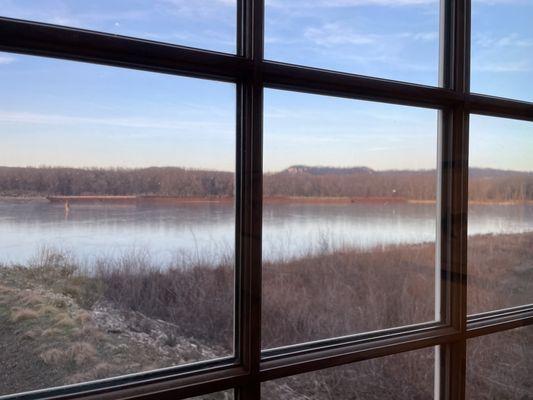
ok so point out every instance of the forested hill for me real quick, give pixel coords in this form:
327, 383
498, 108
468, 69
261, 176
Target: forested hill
298, 180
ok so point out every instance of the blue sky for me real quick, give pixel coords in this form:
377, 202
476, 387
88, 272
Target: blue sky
64, 113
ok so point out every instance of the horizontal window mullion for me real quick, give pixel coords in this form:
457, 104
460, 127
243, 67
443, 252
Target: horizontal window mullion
81, 45
316, 359
179, 387
498, 321
317, 81
346, 341
499, 107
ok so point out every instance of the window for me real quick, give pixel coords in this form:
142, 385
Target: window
502, 48
400, 376
500, 214
386, 39
258, 133
500, 365
116, 203
349, 221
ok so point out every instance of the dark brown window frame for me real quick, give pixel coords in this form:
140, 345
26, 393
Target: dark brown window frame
251, 73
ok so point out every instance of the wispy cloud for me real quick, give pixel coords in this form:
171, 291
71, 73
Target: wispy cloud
347, 3
204, 8
497, 2
303, 6
67, 14
510, 67
508, 53
333, 34
331, 40
6, 59
420, 36
510, 40
142, 123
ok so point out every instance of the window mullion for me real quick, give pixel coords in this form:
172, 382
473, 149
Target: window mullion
454, 152
251, 15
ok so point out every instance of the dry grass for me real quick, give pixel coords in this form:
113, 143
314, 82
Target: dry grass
53, 356
79, 353
313, 297
82, 353
343, 293
6, 290
90, 332
305, 299
99, 371
198, 299
52, 332
65, 321
48, 309
32, 334
83, 318
103, 370
328, 295
23, 314
30, 298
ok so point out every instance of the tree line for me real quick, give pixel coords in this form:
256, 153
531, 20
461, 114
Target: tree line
484, 184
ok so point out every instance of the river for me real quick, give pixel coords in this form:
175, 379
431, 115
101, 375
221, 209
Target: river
207, 230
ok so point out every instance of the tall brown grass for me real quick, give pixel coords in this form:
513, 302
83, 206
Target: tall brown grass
337, 293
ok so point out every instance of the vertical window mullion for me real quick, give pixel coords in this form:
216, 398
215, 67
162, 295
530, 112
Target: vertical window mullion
454, 184
250, 94
443, 285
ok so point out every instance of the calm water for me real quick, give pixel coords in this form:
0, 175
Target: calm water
207, 229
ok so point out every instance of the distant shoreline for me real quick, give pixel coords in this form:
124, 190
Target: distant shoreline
169, 200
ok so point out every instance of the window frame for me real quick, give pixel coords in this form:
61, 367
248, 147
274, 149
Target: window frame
251, 73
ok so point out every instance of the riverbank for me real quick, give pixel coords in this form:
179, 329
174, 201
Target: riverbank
61, 324
57, 330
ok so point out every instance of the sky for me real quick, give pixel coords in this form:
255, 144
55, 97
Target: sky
64, 113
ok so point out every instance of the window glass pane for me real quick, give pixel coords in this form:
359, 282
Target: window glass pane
209, 24
388, 39
502, 48
349, 217
116, 219
500, 366
405, 376
500, 222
